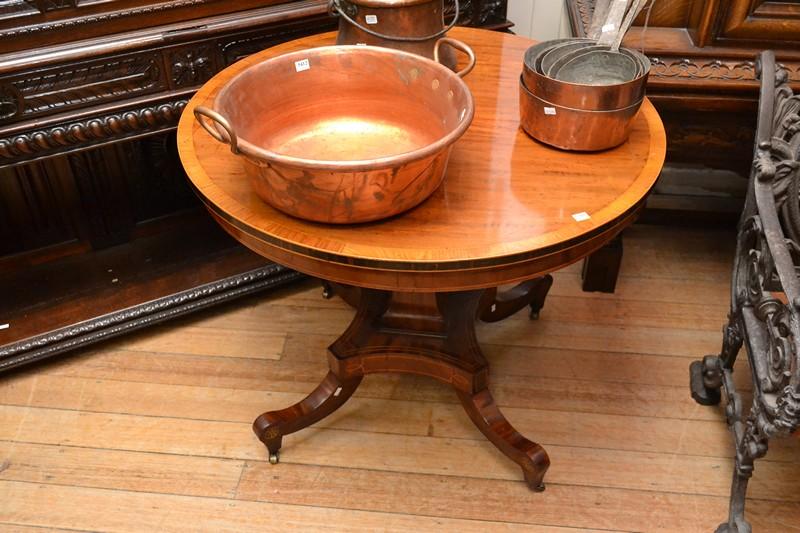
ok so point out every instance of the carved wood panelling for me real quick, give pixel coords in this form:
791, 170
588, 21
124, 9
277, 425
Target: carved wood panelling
59, 89
11, 102
103, 82
45, 6
771, 9
711, 69
11, 9
23, 25
191, 66
760, 20
77, 22
72, 134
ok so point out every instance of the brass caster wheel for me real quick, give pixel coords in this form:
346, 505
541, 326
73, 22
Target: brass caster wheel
327, 291
274, 458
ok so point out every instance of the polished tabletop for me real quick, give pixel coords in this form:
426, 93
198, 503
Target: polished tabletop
510, 208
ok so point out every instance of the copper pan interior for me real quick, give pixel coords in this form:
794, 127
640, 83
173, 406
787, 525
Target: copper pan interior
345, 104
562, 57
554, 56
535, 54
597, 66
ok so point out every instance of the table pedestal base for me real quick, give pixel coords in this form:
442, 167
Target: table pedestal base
425, 334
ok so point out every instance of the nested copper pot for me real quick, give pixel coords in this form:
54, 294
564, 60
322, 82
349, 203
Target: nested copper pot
575, 115
582, 96
574, 129
410, 25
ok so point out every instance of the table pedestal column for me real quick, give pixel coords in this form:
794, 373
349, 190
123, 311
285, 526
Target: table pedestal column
425, 334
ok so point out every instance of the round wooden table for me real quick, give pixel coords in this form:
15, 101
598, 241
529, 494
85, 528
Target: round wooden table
510, 210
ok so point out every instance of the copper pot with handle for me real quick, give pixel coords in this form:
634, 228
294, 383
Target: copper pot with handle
410, 25
342, 134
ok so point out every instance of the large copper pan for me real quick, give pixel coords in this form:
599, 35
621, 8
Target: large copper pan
343, 134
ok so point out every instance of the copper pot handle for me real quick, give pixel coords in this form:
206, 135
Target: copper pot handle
335, 7
458, 45
201, 111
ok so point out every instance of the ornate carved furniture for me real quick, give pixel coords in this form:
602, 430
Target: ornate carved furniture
765, 293
99, 232
513, 216
703, 82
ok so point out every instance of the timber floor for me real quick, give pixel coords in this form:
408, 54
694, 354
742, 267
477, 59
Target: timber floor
152, 432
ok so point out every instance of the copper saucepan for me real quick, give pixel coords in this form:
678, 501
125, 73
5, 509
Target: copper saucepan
410, 25
577, 95
574, 129
343, 134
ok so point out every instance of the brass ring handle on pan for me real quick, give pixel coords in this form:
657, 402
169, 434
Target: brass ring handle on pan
334, 7
458, 45
201, 111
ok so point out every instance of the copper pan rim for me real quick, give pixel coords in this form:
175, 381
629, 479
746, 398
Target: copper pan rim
645, 72
530, 68
534, 53
251, 150
577, 110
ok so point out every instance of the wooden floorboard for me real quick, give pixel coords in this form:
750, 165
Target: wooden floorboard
152, 432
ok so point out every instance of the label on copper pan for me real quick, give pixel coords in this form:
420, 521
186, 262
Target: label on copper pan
580, 217
371, 19
302, 65
549, 110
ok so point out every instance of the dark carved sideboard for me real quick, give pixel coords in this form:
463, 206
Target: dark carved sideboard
703, 80
99, 232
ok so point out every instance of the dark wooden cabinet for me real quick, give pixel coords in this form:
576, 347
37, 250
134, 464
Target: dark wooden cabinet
703, 81
29, 24
99, 231
743, 21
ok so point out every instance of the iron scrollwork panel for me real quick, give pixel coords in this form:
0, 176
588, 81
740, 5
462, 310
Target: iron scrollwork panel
765, 293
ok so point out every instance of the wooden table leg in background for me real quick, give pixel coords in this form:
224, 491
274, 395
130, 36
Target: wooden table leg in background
601, 269
499, 305
430, 334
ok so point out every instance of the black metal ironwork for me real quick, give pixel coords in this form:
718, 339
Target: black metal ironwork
765, 293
